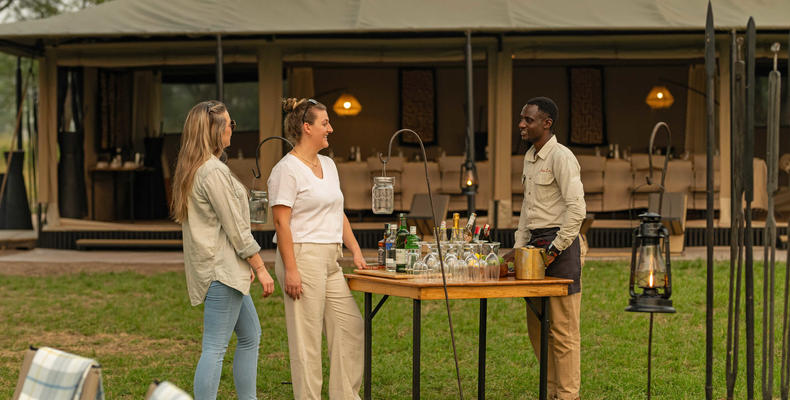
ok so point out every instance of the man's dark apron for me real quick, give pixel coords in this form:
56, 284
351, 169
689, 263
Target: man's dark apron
566, 265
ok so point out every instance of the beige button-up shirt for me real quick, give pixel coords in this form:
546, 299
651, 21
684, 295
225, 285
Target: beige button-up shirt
216, 233
553, 194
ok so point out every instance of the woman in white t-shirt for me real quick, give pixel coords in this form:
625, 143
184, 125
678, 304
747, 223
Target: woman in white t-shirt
311, 229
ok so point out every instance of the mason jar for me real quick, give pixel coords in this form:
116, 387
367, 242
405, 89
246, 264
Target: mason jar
383, 195
259, 206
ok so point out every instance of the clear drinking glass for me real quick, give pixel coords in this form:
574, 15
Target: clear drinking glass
492, 261
432, 266
450, 266
259, 206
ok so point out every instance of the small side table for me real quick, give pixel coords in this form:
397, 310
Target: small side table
114, 172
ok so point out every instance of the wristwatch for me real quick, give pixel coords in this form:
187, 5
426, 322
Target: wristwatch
553, 251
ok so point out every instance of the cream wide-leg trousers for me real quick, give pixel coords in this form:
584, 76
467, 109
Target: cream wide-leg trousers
326, 305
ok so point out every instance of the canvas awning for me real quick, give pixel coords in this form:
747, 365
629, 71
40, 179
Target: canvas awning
156, 18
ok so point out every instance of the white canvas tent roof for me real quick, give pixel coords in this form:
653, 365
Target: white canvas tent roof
146, 18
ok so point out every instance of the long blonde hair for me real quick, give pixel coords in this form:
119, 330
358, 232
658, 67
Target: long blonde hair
200, 139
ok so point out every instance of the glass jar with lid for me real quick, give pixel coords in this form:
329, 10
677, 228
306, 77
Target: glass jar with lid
259, 206
383, 195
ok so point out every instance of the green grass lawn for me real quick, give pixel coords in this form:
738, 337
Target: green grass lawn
142, 328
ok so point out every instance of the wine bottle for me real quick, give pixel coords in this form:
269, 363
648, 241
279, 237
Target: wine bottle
455, 235
412, 247
469, 229
476, 236
400, 245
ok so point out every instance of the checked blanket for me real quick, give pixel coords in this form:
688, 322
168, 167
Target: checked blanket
57, 375
168, 391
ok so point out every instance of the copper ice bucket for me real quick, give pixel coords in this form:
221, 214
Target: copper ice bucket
529, 263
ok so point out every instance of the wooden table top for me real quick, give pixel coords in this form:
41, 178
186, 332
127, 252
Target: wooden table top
503, 288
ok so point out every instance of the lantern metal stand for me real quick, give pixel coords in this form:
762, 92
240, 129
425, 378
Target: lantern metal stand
651, 271
259, 199
383, 202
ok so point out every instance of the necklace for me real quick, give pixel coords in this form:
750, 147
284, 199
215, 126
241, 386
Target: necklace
312, 164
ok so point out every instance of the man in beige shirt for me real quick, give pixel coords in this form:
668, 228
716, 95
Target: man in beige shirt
551, 215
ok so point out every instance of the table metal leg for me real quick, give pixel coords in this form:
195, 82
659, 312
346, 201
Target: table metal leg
368, 342
544, 346
415, 366
481, 351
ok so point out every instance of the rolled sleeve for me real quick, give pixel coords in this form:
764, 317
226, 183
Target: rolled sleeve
232, 212
570, 185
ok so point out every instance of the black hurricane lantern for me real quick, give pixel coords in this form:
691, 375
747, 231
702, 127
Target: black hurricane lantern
469, 181
650, 285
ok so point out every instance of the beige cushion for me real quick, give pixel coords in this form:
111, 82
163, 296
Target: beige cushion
414, 180
592, 168
355, 183
394, 169
516, 170
242, 168
450, 169
617, 191
700, 173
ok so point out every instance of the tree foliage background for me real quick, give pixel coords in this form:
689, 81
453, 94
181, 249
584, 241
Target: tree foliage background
21, 10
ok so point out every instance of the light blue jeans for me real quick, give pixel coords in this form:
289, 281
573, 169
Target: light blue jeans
226, 310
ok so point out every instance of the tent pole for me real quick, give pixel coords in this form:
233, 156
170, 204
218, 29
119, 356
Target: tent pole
470, 130
710, 72
220, 79
748, 181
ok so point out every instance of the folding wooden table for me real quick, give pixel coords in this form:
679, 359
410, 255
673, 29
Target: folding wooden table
368, 282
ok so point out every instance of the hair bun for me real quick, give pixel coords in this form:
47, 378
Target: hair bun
290, 104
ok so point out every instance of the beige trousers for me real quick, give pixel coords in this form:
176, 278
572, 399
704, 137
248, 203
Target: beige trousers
564, 347
326, 306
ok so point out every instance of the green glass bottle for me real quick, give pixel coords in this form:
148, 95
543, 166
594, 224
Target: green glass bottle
412, 248
401, 258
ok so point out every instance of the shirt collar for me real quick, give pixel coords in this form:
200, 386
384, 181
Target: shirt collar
544, 151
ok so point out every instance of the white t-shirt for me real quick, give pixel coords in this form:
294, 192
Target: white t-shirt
316, 204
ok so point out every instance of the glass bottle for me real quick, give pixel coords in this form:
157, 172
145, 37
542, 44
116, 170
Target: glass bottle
412, 248
389, 249
382, 251
476, 237
383, 195
469, 228
455, 235
485, 233
443, 232
400, 245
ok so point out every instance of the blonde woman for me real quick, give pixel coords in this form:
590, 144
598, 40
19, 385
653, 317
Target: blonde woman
311, 229
220, 255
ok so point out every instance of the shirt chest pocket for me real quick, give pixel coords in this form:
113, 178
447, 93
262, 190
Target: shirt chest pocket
545, 187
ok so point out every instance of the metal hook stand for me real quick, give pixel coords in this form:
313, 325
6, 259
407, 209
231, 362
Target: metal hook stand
257, 171
666, 161
436, 235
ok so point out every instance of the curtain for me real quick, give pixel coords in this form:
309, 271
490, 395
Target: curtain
696, 110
